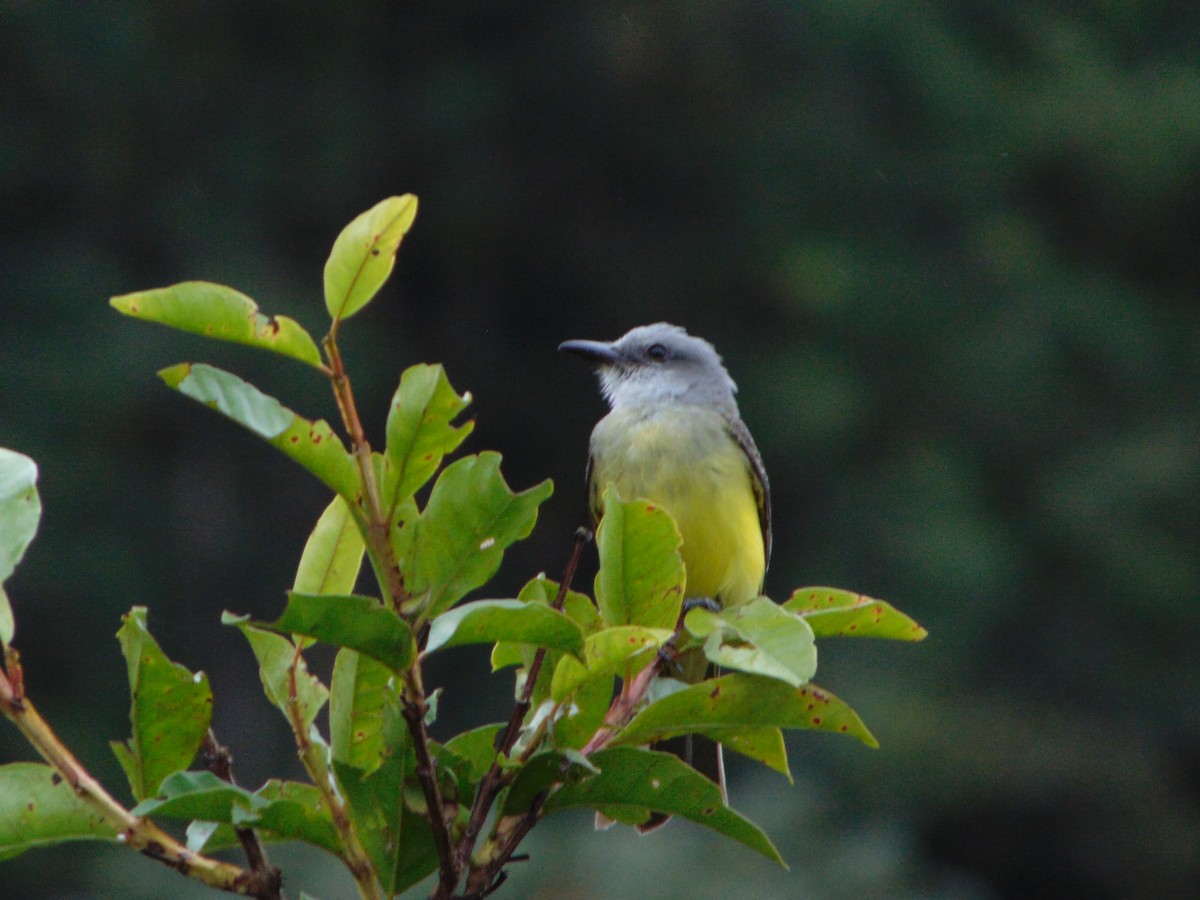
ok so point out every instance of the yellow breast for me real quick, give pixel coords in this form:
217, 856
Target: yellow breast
684, 459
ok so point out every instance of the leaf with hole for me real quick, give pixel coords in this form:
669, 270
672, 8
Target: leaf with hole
219, 312
471, 518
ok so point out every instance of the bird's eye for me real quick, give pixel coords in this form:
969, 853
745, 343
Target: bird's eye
656, 352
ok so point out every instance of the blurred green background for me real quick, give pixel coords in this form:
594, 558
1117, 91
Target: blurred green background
950, 252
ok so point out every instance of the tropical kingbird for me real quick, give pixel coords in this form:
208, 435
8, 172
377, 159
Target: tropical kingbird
673, 436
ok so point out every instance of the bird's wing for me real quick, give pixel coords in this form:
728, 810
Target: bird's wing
593, 491
758, 477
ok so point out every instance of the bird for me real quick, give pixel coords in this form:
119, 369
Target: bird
674, 436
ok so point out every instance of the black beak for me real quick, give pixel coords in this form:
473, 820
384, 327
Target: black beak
597, 352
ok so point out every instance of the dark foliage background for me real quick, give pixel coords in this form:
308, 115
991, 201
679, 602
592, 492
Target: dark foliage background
949, 251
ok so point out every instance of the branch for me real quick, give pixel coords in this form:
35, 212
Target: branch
415, 708
497, 778
509, 831
315, 764
219, 761
624, 706
387, 569
521, 708
139, 833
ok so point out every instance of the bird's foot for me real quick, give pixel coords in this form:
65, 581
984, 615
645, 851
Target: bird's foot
701, 603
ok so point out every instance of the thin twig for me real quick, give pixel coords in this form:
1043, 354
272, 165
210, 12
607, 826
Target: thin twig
624, 706
413, 698
391, 580
387, 568
219, 761
496, 778
511, 830
521, 708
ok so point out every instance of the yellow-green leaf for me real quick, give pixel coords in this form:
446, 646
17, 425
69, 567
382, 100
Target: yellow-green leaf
606, 652
333, 553
832, 612
364, 253
743, 701
220, 312
641, 575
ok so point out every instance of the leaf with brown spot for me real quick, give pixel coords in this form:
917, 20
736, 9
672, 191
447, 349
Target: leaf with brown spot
832, 612
39, 809
743, 701
632, 783
363, 255
222, 313
312, 444
169, 713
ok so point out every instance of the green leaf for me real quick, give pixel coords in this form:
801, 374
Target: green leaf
38, 808
360, 623
275, 655
832, 612
20, 512
758, 637
488, 621
641, 577
764, 745
584, 713
417, 857
201, 795
541, 590
20, 508
220, 312
291, 811
419, 433
333, 553
472, 752
364, 253
170, 709
8, 625
606, 652
471, 518
311, 444
383, 823
543, 770
741, 702
357, 695
633, 782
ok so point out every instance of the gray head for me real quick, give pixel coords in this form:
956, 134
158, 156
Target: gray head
656, 364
